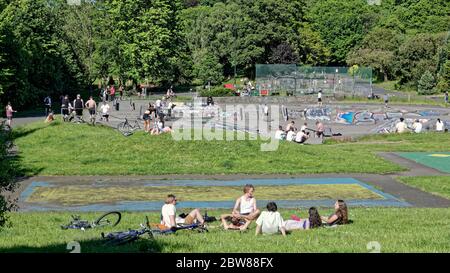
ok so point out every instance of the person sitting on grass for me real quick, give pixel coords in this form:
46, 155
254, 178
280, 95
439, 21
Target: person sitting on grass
301, 137
270, 221
313, 221
340, 215
401, 126
245, 207
169, 212
280, 134
50, 117
167, 129
290, 135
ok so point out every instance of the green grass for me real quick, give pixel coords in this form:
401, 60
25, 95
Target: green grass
397, 230
391, 86
437, 185
82, 195
71, 149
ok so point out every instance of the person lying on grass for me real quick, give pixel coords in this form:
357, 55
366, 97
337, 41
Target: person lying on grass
169, 212
340, 215
313, 221
235, 223
245, 207
270, 221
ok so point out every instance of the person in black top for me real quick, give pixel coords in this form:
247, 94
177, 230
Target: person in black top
78, 104
65, 104
48, 105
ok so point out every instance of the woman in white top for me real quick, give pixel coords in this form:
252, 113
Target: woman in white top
270, 221
439, 125
245, 207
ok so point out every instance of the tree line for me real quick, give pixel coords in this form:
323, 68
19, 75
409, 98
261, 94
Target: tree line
50, 47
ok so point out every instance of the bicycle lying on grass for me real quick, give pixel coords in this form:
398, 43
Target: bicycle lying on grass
127, 128
124, 237
110, 219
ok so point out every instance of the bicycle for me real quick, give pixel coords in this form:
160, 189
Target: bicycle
127, 128
111, 219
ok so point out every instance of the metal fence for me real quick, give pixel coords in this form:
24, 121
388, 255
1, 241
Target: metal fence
304, 80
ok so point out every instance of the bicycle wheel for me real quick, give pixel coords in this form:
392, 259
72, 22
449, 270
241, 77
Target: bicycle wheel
111, 218
124, 127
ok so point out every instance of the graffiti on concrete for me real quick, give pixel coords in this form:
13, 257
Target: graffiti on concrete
346, 117
318, 113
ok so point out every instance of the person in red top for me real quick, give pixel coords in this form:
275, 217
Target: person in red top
112, 93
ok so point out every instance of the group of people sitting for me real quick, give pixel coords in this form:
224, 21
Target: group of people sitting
301, 136
245, 211
402, 127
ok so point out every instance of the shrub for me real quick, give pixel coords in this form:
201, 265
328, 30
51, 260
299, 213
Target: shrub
427, 84
6, 174
217, 91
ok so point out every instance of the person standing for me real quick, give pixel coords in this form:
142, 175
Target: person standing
65, 104
78, 105
91, 105
112, 93
9, 114
386, 99
105, 111
319, 98
48, 105
446, 97
320, 128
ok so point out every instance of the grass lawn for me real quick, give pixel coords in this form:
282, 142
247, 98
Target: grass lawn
438, 185
71, 149
397, 230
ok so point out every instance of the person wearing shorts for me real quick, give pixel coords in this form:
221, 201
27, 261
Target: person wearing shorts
245, 208
92, 106
78, 105
320, 129
319, 98
105, 111
65, 104
9, 114
169, 211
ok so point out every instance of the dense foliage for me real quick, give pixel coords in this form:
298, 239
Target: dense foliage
51, 47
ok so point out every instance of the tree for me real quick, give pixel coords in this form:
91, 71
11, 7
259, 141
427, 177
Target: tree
378, 50
6, 176
426, 84
416, 55
283, 54
342, 24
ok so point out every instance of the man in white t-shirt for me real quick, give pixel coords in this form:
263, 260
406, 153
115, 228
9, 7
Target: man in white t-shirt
417, 126
104, 108
169, 211
401, 126
270, 221
290, 135
439, 125
280, 134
